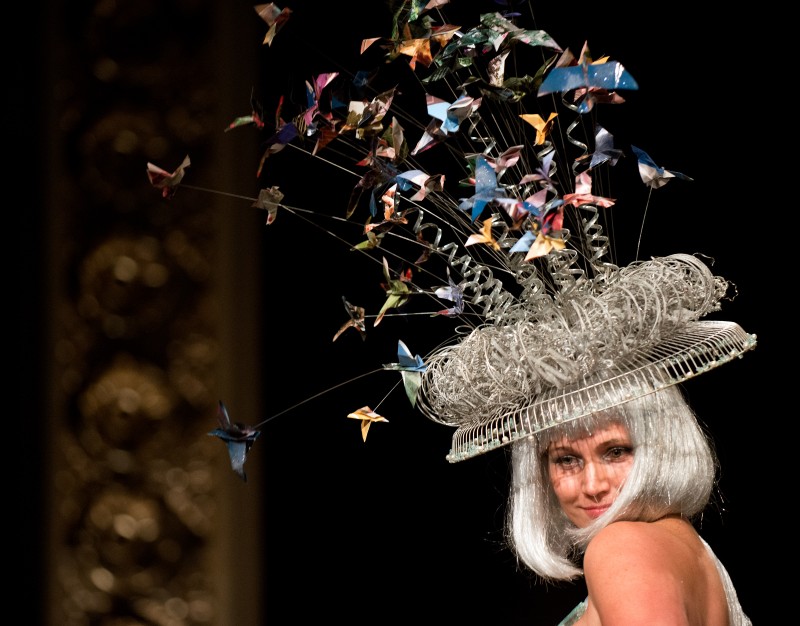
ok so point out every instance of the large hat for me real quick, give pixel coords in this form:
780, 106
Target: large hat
587, 348
584, 352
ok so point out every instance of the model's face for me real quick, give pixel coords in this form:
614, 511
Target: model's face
587, 473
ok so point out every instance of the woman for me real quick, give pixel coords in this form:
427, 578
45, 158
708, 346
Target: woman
610, 465
620, 488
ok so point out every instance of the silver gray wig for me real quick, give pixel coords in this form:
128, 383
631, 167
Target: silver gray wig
673, 472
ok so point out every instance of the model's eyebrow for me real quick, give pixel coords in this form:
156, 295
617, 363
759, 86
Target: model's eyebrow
603, 443
615, 441
558, 448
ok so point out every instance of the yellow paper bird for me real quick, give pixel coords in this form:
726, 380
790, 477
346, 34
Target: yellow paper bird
542, 126
485, 236
367, 417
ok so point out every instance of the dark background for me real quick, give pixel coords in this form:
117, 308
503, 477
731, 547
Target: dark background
388, 529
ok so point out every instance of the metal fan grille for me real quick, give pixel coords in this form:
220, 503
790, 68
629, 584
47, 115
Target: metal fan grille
698, 348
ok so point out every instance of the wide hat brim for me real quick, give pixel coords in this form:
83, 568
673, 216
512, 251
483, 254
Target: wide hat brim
699, 347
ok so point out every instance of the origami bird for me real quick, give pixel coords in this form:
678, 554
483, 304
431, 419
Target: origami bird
238, 437
485, 236
542, 126
410, 367
356, 320
486, 189
654, 176
269, 199
397, 291
454, 293
275, 17
367, 417
604, 150
592, 80
166, 181
447, 119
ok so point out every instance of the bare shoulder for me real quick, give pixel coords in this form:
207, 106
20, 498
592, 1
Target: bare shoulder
640, 542
646, 572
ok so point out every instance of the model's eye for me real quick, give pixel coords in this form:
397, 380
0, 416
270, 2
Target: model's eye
566, 461
619, 453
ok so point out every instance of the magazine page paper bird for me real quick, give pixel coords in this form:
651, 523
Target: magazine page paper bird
542, 126
420, 50
485, 236
410, 367
255, 118
504, 161
166, 181
275, 17
537, 245
397, 291
269, 199
654, 176
594, 82
367, 417
542, 174
583, 193
357, 315
454, 293
604, 150
447, 119
486, 189
238, 437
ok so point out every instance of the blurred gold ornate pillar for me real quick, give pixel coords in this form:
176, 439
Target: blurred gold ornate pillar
153, 317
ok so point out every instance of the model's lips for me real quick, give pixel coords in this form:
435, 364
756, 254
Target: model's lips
595, 511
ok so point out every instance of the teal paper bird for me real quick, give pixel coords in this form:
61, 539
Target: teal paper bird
411, 368
238, 437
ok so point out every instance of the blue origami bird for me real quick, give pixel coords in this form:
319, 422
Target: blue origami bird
653, 175
410, 367
486, 189
238, 437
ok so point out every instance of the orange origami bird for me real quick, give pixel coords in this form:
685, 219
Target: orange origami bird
367, 417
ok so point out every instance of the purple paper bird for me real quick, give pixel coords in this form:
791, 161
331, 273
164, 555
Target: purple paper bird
454, 293
237, 436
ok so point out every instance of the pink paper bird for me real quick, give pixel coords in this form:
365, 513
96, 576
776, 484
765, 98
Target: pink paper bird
583, 193
507, 159
166, 181
275, 18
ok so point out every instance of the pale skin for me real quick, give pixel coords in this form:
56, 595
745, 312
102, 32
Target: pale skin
637, 573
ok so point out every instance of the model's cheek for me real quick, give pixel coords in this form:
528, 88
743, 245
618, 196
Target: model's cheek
566, 489
577, 516
619, 475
